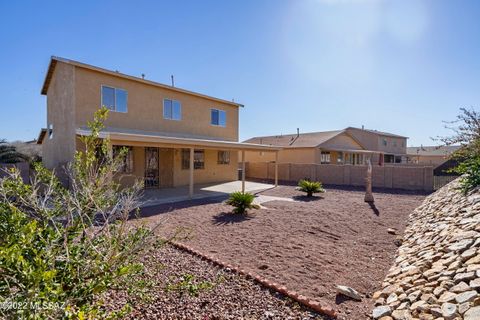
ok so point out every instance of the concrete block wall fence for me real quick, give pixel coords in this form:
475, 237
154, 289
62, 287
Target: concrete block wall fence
413, 177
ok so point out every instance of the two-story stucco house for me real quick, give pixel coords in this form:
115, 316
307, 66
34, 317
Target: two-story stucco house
174, 136
351, 146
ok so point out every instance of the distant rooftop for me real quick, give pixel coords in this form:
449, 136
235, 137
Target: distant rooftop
381, 133
432, 150
302, 140
309, 139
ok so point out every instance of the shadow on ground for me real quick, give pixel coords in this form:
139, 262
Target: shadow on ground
168, 207
230, 218
374, 208
306, 198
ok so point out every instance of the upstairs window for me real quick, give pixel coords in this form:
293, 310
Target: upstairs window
114, 99
384, 142
172, 109
223, 157
218, 118
50, 131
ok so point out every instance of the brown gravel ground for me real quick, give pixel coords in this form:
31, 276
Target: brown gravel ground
309, 246
229, 296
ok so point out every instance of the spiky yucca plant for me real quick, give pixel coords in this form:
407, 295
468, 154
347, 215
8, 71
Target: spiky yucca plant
241, 201
310, 187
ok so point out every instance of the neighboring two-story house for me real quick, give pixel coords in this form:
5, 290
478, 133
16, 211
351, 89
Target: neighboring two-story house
348, 146
392, 146
173, 136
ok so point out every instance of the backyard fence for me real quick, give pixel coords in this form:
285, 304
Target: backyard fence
387, 176
440, 181
24, 168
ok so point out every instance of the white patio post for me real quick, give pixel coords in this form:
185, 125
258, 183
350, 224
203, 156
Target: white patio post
276, 168
243, 170
190, 190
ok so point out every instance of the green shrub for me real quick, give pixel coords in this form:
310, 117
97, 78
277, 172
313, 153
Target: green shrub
467, 136
470, 171
241, 201
310, 187
62, 248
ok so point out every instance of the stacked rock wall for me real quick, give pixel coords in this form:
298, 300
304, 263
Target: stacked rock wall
436, 274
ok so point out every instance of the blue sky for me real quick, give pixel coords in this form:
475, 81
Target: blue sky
397, 66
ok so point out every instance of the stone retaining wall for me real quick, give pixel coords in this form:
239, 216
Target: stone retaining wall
436, 274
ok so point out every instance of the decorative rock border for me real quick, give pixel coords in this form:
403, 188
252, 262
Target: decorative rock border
310, 303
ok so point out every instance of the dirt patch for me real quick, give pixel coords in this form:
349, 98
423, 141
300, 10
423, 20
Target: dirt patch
309, 246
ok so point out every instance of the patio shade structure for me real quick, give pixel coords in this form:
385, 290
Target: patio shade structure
147, 139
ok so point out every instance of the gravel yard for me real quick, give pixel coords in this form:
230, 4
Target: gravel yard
224, 295
309, 246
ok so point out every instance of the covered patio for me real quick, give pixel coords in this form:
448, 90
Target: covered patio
153, 197
176, 159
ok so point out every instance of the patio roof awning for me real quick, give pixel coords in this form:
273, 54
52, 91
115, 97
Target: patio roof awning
138, 136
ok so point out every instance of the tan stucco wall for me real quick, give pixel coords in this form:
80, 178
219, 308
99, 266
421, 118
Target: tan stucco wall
294, 155
213, 171
342, 141
145, 107
374, 142
432, 160
60, 113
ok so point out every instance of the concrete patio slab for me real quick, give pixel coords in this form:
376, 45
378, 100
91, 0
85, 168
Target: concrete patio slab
152, 197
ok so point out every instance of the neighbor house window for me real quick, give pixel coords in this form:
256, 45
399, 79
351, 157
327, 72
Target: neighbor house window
127, 161
384, 142
198, 159
325, 157
340, 157
172, 109
223, 157
218, 118
50, 131
114, 99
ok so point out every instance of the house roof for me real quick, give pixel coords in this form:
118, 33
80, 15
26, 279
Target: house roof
175, 139
302, 140
432, 150
54, 60
380, 133
41, 135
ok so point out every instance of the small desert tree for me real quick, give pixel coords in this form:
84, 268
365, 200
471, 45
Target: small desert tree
62, 248
9, 154
466, 130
